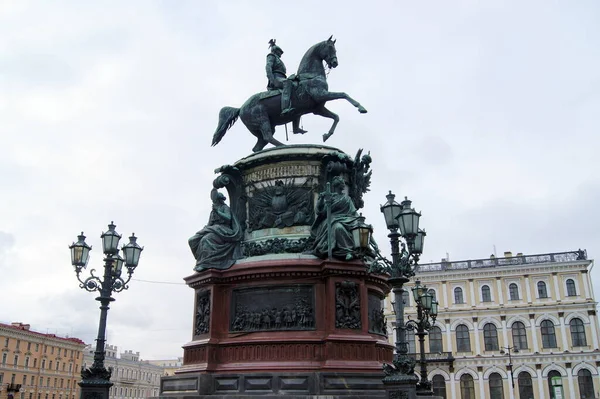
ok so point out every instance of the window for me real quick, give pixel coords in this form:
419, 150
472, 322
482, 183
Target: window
435, 340
4, 359
555, 383
27, 362
24, 380
50, 365
548, 334
1, 378
586, 384
6, 341
490, 337
41, 381
486, 294
525, 385
410, 339
18, 344
467, 387
513, 290
577, 333
542, 291
16, 360
519, 335
496, 388
458, 295
34, 363
57, 366
463, 342
431, 292
28, 346
52, 350
439, 385
571, 290
32, 383
37, 347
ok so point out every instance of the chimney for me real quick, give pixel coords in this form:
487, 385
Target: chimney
507, 254
519, 253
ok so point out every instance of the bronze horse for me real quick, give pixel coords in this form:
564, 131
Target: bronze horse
262, 112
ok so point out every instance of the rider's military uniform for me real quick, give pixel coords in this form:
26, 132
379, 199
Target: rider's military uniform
276, 74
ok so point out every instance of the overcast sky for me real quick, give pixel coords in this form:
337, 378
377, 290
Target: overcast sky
486, 114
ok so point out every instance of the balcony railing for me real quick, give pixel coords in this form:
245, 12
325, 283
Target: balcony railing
500, 262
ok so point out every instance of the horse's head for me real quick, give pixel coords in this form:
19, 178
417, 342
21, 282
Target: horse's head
328, 52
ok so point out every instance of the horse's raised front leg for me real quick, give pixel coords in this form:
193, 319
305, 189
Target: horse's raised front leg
321, 110
330, 95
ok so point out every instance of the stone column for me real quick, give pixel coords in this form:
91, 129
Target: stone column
536, 346
504, 331
448, 335
499, 288
556, 289
453, 385
481, 382
472, 289
570, 380
511, 391
586, 284
445, 295
540, 380
476, 334
593, 328
527, 289
563, 331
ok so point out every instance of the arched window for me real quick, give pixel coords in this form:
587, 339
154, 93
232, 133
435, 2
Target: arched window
577, 333
490, 337
496, 386
542, 291
410, 338
439, 385
467, 387
431, 292
458, 295
586, 384
525, 385
519, 335
435, 340
571, 290
463, 342
555, 384
548, 334
486, 294
513, 290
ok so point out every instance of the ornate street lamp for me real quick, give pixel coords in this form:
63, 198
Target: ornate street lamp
361, 234
426, 310
95, 381
403, 222
515, 349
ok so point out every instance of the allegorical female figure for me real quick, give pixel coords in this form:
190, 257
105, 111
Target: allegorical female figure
343, 220
217, 244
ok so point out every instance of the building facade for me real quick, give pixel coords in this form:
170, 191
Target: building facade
517, 327
35, 365
131, 377
169, 365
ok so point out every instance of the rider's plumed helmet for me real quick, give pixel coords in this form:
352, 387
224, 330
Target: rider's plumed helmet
275, 49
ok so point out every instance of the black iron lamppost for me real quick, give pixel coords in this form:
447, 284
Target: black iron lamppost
402, 221
427, 310
514, 349
95, 383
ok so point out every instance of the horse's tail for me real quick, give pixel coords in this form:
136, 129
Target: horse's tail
227, 117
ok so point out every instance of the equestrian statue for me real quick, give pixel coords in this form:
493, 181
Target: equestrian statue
288, 98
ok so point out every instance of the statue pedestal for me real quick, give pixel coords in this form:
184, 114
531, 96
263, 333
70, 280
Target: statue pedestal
280, 321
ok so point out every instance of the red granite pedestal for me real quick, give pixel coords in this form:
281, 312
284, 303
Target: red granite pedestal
324, 352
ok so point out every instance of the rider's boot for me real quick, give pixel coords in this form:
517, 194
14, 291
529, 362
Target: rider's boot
296, 127
286, 106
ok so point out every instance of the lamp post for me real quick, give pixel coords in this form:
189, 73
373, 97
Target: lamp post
514, 349
427, 310
403, 222
95, 383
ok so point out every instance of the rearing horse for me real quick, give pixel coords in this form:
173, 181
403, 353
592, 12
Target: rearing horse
262, 112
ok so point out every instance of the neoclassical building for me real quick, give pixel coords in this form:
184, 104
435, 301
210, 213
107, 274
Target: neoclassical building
131, 376
37, 365
517, 327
